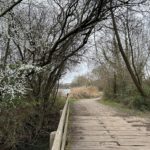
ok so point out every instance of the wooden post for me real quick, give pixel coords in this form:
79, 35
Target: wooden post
52, 137
61, 112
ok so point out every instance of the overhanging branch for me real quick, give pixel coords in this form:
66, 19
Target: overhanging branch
10, 8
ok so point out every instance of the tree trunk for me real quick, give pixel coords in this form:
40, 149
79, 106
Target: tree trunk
115, 84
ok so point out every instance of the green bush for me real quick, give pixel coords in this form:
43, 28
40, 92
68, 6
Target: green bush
137, 102
25, 125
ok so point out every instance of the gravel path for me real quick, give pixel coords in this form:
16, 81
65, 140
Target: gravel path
95, 126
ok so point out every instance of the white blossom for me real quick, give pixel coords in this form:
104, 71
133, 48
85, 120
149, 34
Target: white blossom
13, 82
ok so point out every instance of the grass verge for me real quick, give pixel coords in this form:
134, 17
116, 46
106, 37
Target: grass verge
123, 109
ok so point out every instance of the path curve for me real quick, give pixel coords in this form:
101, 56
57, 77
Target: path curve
95, 126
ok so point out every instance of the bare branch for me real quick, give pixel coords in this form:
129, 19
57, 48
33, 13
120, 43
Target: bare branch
10, 8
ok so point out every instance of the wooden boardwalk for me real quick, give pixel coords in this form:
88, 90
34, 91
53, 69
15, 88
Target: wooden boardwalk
98, 127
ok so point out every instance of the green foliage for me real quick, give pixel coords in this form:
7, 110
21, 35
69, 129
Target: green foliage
127, 94
134, 101
123, 109
138, 102
28, 124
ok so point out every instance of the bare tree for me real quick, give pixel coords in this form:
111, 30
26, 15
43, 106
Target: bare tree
9, 8
131, 70
45, 39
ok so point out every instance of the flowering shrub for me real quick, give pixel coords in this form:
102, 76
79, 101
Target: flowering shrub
13, 81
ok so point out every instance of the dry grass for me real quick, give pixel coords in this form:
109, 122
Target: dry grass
84, 92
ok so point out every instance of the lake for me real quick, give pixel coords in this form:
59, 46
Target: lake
64, 91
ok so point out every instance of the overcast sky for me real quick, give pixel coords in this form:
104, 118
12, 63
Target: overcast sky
81, 69
85, 65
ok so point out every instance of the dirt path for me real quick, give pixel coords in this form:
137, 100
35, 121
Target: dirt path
98, 127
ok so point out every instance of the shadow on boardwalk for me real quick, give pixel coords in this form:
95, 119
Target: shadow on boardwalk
94, 126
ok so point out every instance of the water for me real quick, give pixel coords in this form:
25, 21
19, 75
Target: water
64, 91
